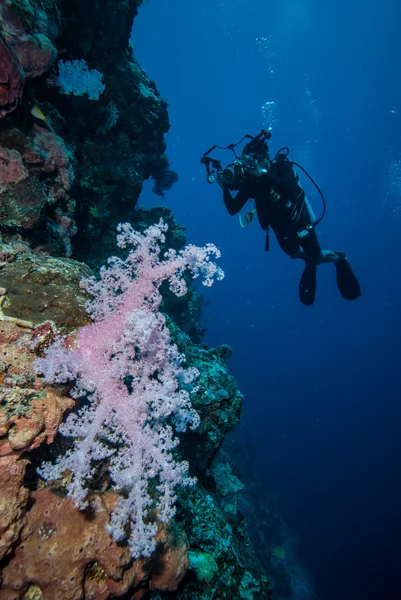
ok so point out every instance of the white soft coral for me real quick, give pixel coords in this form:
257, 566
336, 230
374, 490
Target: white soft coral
135, 382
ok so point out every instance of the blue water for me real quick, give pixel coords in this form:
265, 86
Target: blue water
322, 387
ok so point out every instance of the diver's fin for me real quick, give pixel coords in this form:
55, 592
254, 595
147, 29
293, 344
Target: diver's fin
307, 285
347, 282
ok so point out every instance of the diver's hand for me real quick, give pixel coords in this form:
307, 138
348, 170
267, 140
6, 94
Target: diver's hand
219, 179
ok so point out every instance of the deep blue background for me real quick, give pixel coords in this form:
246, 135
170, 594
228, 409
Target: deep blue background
322, 385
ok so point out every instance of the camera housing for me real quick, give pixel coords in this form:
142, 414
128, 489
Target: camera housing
233, 175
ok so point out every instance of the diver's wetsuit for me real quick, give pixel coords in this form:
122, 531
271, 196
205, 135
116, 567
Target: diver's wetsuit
287, 214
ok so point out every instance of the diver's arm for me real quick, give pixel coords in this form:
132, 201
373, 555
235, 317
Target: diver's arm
236, 203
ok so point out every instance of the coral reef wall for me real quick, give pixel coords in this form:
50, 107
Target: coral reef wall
81, 128
72, 166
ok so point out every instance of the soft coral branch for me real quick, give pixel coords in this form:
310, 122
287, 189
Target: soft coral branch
135, 381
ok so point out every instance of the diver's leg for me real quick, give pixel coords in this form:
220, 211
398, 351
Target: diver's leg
310, 251
308, 239
311, 246
307, 285
347, 282
289, 242
313, 251
287, 239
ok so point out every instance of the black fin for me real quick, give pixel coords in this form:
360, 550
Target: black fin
347, 282
307, 285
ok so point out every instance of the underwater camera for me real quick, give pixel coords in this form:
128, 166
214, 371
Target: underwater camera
233, 175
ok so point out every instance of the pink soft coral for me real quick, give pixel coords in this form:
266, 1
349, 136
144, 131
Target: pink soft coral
134, 378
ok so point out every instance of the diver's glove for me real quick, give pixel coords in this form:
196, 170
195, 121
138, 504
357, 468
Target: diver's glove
219, 179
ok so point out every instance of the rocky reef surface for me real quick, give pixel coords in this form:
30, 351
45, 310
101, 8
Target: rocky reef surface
81, 128
72, 163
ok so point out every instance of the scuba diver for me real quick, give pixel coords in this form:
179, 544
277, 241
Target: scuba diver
280, 204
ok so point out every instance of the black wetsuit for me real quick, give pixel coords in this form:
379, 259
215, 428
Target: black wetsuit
280, 204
